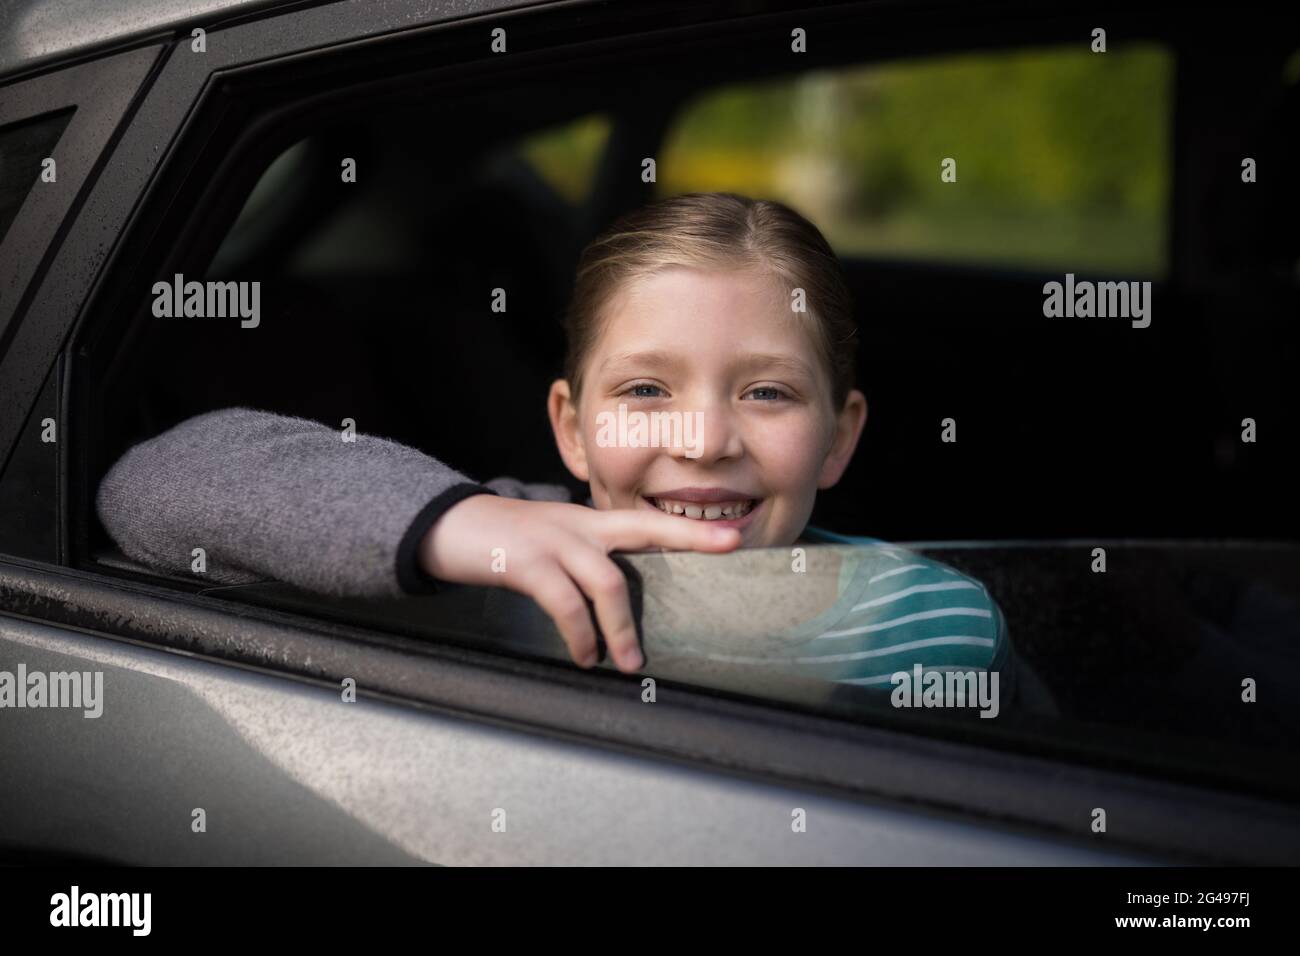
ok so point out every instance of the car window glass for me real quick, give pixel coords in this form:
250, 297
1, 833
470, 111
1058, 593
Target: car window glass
1146, 667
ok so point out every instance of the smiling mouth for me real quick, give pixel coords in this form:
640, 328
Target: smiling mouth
711, 511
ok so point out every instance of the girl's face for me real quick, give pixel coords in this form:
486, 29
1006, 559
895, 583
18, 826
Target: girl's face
725, 350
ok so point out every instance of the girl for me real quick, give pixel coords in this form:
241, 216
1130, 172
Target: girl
729, 310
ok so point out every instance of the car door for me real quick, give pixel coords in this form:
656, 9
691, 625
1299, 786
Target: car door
251, 724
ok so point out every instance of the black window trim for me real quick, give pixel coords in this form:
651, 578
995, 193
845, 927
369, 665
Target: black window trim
100, 94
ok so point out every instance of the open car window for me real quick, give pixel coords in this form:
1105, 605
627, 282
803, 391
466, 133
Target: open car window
1135, 632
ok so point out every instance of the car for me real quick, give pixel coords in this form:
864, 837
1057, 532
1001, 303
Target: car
1123, 490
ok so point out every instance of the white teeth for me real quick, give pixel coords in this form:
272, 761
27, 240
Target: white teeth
712, 512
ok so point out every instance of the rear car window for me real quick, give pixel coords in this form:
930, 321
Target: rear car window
23, 148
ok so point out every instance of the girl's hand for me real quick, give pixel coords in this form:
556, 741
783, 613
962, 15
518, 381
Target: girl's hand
557, 553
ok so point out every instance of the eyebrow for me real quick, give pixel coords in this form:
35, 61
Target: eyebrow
659, 358
764, 360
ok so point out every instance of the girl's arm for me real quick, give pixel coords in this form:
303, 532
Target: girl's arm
273, 496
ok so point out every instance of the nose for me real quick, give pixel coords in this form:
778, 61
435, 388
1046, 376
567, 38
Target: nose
711, 433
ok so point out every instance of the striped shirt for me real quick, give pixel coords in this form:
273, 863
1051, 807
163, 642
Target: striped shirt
896, 609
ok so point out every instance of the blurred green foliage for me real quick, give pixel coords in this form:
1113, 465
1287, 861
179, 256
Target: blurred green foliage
567, 156
1063, 155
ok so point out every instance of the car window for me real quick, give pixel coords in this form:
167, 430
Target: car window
23, 147
377, 307
1059, 156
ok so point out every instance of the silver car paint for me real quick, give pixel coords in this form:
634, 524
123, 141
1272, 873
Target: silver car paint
287, 772
35, 31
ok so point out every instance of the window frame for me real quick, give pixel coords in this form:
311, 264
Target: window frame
101, 94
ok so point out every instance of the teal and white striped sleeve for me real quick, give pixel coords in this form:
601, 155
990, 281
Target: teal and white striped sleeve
899, 609
895, 610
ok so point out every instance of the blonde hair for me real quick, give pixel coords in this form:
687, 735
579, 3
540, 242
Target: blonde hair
722, 231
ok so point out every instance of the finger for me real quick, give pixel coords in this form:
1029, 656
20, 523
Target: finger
638, 530
560, 598
603, 582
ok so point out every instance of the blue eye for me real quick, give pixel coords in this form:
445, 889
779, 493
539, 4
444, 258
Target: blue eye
771, 393
637, 391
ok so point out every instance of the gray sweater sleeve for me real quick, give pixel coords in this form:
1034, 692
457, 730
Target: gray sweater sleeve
273, 496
